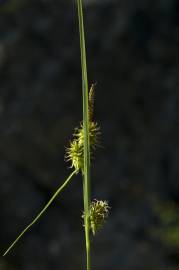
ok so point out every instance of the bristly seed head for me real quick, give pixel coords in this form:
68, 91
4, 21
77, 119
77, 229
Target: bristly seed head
94, 135
98, 213
74, 153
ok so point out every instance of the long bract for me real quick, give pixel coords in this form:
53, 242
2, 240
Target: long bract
41, 212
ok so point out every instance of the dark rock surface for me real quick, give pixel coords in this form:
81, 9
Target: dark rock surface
133, 55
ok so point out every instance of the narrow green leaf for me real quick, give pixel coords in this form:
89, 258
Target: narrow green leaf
86, 173
41, 212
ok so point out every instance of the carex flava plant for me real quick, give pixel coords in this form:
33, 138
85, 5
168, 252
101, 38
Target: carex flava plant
79, 152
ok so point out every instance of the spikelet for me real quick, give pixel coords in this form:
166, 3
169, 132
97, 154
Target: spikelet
91, 102
94, 134
98, 213
74, 153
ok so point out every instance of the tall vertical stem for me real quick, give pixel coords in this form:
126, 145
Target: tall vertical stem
86, 175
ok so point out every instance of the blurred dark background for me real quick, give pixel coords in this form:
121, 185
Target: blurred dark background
133, 55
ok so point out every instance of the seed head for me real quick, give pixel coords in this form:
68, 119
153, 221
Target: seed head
94, 134
98, 213
74, 153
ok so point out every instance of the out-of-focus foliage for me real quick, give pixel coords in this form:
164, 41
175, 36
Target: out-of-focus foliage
167, 227
10, 6
5, 266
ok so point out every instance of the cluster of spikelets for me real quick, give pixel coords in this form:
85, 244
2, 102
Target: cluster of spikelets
74, 153
99, 210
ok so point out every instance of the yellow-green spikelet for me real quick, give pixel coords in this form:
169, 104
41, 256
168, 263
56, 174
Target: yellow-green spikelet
98, 213
94, 134
74, 153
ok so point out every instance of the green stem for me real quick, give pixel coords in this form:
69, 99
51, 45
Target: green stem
86, 180
41, 212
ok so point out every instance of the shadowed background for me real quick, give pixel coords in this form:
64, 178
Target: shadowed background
132, 51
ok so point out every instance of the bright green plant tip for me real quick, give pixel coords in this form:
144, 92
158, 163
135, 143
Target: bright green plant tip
41, 212
86, 172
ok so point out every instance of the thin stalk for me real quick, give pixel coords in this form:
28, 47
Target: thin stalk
86, 172
41, 212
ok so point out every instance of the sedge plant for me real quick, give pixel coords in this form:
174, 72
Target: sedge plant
78, 153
